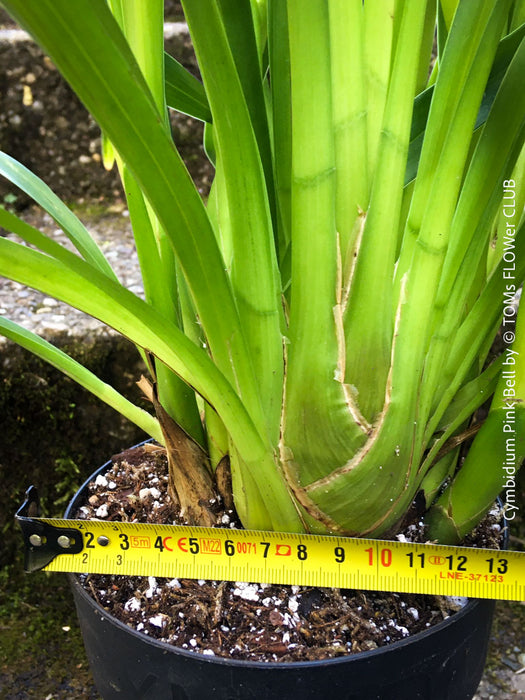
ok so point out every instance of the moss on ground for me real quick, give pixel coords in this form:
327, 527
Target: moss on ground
41, 652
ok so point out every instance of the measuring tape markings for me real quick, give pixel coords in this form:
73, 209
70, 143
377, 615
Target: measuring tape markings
281, 558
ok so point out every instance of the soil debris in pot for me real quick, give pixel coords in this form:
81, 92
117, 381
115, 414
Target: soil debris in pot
242, 620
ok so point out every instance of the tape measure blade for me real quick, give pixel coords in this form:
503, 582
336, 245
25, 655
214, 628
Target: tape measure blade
135, 549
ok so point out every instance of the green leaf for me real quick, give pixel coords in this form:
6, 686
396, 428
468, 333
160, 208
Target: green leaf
254, 268
319, 428
369, 317
184, 92
11, 222
349, 110
468, 399
467, 343
481, 195
32, 185
379, 20
471, 45
502, 137
279, 60
87, 289
108, 153
158, 274
506, 50
73, 369
142, 22
495, 456
238, 22
481, 477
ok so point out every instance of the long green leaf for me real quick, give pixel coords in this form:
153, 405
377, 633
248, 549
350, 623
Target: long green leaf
481, 477
160, 288
73, 369
14, 224
473, 333
506, 50
254, 269
32, 185
378, 48
496, 153
468, 399
88, 290
238, 21
184, 92
494, 157
279, 60
142, 22
349, 109
433, 203
369, 321
319, 427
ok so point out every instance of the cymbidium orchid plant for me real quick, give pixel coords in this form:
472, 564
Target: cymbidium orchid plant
323, 322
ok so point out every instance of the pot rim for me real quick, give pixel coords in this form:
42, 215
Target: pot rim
74, 580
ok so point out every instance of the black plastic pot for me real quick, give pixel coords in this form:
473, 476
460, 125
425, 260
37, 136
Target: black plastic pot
444, 662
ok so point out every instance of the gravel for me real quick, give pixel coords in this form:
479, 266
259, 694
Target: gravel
44, 315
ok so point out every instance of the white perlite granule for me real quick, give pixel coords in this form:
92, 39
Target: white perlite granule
247, 591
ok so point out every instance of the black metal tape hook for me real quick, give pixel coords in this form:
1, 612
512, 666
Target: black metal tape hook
43, 541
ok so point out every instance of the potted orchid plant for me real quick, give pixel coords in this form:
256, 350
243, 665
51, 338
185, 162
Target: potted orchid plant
323, 322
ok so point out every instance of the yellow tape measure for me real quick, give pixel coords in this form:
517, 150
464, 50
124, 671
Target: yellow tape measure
137, 549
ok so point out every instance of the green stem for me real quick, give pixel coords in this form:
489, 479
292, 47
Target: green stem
378, 41
494, 457
349, 116
369, 321
318, 426
254, 269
